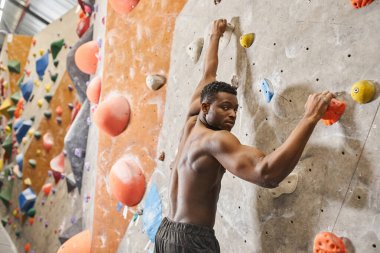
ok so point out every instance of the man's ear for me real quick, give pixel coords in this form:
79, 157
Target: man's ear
205, 107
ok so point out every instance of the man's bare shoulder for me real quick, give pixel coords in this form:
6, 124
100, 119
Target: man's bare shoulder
223, 141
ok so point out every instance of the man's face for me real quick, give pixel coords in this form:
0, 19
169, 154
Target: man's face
222, 112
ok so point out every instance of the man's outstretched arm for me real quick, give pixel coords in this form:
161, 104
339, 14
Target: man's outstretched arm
210, 66
269, 170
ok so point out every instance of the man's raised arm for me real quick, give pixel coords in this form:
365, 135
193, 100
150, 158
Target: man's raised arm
269, 170
210, 66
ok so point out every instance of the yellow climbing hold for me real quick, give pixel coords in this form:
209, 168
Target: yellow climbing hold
42, 52
30, 132
8, 130
24, 140
246, 40
28, 181
47, 87
1, 164
38, 152
40, 103
363, 91
36, 83
6, 85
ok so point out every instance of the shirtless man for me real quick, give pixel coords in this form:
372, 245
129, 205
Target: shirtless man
207, 149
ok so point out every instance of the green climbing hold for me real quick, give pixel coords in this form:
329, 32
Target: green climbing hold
48, 97
47, 114
7, 145
37, 135
4, 221
18, 233
11, 110
20, 80
15, 97
6, 191
10, 123
31, 212
33, 118
32, 163
56, 47
54, 77
56, 62
14, 66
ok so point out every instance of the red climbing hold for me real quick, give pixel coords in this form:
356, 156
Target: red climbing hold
360, 3
86, 57
123, 6
47, 189
334, 112
127, 181
326, 242
93, 90
78, 243
112, 115
59, 111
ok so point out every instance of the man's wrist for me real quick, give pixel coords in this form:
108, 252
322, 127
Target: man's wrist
215, 36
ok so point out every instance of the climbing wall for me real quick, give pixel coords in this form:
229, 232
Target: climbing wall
51, 106
135, 47
301, 47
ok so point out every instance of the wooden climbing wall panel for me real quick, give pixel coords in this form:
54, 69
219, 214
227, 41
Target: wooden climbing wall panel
136, 45
18, 49
62, 98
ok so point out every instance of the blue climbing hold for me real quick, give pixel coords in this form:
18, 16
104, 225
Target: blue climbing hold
27, 89
20, 160
266, 89
26, 199
23, 130
18, 124
152, 215
41, 65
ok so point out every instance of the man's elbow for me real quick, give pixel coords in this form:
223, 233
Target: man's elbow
267, 178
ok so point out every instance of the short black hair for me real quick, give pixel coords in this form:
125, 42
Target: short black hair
209, 92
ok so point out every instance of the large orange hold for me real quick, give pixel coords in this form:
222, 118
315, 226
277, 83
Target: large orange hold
48, 141
112, 115
360, 3
47, 189
123, 6
86, 57
127, 181
334, 112
58, 163
94, 89
326, 242
80, 243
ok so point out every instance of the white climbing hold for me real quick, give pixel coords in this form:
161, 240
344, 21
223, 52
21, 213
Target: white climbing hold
288, 185
154, 82
194, 49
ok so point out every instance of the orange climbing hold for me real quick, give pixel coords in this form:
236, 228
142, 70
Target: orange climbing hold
334, 112
58, 163
47, 189
86, 57
127, 181
93, 90
48, 141
123, 6
326, 242
27, 247
360, 3
112, 115
59, 111
78, 243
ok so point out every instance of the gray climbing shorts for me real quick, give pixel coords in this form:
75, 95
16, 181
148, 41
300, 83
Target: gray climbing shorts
175, 237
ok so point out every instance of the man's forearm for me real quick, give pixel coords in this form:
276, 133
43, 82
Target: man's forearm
211, 60
278, 164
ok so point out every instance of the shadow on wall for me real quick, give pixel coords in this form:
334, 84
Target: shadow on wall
289, 223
